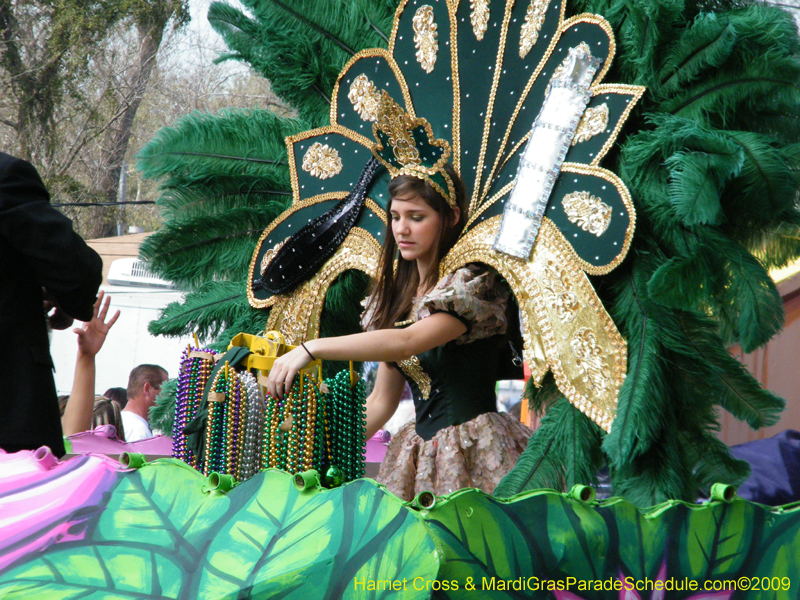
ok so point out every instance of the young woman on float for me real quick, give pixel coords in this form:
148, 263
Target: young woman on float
445, 336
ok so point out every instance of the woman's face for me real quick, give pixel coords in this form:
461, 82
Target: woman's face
415, 227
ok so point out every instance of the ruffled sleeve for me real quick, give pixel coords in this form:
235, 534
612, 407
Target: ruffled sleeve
476, 295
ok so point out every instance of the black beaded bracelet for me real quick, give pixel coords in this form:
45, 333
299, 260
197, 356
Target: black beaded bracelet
308, 351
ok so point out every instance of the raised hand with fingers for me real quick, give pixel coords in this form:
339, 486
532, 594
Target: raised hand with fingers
92, 335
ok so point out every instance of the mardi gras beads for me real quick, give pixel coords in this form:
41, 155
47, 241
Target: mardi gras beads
232, 424
196, 366
347, 434
247, 431
214, 429
254, 423
310, 430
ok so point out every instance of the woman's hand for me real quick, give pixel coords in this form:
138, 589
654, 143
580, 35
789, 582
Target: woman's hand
284, 370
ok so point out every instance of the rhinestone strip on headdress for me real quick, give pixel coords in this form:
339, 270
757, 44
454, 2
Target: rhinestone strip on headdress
406, 146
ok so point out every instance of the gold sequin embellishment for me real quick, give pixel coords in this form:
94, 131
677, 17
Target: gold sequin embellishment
399, 127
365, 98
534, 19
322, 161
590, 360
558, 287
587, 212
268, 256
593, 122
413, 369
479, 17
425, 38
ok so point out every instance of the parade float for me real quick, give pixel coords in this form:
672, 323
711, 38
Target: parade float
633, 174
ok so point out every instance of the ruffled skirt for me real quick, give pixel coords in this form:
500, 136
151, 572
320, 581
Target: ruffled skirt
475, 454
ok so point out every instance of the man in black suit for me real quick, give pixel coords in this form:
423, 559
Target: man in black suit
44, 265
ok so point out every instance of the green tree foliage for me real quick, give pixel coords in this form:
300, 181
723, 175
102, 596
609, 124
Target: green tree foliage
46, 51
73, 77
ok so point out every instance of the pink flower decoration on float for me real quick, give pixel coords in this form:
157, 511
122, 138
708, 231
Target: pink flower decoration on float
46, 501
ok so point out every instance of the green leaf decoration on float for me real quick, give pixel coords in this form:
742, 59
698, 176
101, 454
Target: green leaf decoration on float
160, 531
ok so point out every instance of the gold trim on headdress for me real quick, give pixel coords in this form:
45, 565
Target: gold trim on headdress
406, 145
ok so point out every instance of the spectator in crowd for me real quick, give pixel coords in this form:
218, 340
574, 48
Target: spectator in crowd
108, 412
118, 394
144, 384
48, 275
62, 403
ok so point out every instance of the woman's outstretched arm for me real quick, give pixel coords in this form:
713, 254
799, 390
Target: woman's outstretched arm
382, 345
382, 402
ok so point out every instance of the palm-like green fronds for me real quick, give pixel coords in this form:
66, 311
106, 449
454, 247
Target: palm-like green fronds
208, 311
202, 147
225, 179
217, 245
162, 413
711, 160
565, 451
644, 397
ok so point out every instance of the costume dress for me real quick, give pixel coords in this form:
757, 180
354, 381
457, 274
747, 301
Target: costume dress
458, 439
38, 248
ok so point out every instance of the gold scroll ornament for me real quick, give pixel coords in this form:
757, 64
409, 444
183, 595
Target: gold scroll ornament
593, 122
479, 17
322, 161
588, 212
534, 19
365, 98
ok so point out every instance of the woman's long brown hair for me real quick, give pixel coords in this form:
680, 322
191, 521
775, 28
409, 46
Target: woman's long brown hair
393, 292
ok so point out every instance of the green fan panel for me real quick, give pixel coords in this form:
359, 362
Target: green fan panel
378, 71
597, 251
353, 158
598, 42
586, 152
477, 67
478, 72
431, 93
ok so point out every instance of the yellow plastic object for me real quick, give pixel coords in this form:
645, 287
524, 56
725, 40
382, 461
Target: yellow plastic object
266, 349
